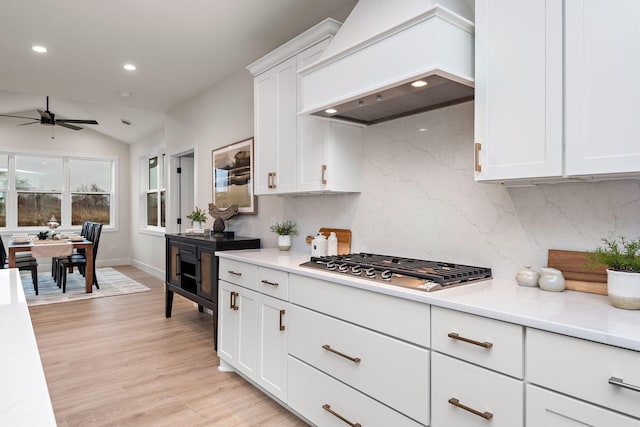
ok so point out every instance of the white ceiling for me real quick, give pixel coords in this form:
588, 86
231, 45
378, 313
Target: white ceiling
180, 49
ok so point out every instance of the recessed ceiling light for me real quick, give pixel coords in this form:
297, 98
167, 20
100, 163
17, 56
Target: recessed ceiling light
422, 129
39, 49
129, 67
124, 94
419, 83
330, 111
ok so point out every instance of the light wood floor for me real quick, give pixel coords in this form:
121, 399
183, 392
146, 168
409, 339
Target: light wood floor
119, 361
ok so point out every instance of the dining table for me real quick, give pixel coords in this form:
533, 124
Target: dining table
52, 248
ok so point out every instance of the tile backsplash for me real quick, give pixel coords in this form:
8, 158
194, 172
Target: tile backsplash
419, 199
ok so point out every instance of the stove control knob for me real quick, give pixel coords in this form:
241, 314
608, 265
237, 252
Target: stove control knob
331, 265
386, 275
343, 268
356, 270
370, 272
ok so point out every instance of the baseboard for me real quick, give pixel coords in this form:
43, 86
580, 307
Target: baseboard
147, 268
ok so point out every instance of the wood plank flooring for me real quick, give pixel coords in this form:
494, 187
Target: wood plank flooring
119, 361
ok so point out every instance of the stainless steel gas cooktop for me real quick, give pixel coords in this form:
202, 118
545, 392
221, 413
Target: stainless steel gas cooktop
407, 272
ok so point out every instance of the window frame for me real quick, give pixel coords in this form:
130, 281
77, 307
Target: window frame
161, 179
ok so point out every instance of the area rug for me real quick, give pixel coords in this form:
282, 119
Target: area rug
111, 282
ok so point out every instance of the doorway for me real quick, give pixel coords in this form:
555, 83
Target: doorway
183, 201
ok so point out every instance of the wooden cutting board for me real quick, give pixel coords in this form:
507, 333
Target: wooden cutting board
578, 277
343, 235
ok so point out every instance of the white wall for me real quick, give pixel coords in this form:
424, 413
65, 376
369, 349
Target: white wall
36, 139
420, 200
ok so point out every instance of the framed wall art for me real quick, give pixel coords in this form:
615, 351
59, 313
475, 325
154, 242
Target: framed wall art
233, 177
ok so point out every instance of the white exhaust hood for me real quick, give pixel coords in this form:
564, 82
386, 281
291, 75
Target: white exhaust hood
365, 74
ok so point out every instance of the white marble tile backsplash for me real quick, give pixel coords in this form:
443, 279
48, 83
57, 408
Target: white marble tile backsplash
419, 199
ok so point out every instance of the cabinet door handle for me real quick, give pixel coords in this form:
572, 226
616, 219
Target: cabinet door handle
455, 336
271, 180
266, 282
186, 251
235, 273
324, 178
478, 147
178, 264
327, 408
455, 402
281, 323
232, 301
620, 383
353, 359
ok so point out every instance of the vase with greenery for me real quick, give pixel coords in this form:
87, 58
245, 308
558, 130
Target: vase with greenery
622, 258
197, 217
284, 230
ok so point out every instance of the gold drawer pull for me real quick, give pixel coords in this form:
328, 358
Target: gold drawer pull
232, 301
324, 171
235, 273
266, 282
455, 336
353, 359
478, 167
620, 383
327, 408
455, 402
281, 323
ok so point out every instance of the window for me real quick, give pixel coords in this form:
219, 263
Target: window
156, 185
39, 189
90, 186
33, 188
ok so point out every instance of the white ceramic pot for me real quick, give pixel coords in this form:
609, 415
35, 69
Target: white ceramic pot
197, 225
527, 277
624, 289
284, 242
551, 280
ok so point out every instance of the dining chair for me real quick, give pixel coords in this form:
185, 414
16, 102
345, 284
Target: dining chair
84, 232
80, 261
23, 263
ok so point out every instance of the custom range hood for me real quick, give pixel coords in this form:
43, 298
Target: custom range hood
366, 73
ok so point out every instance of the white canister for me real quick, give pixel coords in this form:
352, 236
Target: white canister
332, 244
319, 245
551, 280
527, 277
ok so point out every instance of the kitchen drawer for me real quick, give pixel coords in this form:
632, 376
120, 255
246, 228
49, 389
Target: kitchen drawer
310, 390
476, 388
273, 282
583, 368
400, 318
238, 273
548, 409
496, 345
391, 371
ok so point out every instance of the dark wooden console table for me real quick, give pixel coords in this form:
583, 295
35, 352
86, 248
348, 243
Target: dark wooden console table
192, 269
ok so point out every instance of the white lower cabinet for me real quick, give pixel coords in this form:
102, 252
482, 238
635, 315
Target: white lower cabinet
325, 401
465, 395
272, 346
548, 409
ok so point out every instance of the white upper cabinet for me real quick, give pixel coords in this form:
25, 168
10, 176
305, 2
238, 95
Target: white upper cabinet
602, 87
518, 92
556, 90
298, 153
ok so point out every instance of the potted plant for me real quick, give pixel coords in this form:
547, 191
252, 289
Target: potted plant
622, 259
197, 217
284, 230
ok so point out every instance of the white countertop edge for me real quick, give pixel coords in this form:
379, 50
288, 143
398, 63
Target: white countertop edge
478, 299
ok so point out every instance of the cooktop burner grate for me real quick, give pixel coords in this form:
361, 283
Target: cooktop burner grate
407, 272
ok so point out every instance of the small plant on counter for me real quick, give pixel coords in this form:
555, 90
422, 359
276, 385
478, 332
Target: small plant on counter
198, 215
284, 228
618, 256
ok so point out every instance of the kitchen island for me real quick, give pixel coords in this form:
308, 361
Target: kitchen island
24, 396
321, 342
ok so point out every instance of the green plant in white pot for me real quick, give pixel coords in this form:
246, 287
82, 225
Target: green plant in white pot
284, 230
197, 217
622, 258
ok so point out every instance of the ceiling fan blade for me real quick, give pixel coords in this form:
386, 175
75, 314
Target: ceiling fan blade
45, 115
59, 123
17, 117
86, 122
30, 123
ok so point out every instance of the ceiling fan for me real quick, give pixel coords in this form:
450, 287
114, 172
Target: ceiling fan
47, 118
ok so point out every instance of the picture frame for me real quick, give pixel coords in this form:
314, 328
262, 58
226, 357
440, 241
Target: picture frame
232, 176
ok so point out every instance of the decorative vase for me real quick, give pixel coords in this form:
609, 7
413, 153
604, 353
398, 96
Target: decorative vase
551, 280
624, 289
527, 277
197, 225
284, 242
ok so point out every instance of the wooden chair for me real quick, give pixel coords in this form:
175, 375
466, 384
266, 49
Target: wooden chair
79, 260
23, 263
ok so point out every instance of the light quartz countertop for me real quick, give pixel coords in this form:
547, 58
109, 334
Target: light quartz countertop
576, 314
24, 396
